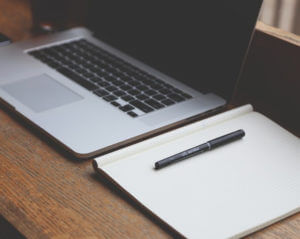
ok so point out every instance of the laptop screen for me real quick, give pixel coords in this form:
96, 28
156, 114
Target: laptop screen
200, 43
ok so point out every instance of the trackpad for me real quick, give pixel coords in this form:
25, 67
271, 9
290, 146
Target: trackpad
41, 93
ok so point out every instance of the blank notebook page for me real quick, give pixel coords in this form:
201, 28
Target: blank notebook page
226, 192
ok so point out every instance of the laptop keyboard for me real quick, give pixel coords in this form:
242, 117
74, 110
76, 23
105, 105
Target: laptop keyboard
131, 90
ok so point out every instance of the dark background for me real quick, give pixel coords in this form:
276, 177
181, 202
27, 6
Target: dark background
181, 38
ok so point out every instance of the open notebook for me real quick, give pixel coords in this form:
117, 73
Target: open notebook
228, 192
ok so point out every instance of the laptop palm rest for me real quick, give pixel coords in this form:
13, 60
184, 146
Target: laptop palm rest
41, 93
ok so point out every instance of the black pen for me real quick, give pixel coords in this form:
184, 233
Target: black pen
225, 139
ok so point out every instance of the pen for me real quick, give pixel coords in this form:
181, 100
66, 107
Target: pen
209, 145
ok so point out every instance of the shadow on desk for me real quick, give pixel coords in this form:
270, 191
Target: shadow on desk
8, 231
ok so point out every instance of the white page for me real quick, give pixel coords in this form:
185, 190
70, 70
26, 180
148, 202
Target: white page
227, 192
172, 135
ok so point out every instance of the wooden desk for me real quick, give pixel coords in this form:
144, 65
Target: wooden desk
44, 193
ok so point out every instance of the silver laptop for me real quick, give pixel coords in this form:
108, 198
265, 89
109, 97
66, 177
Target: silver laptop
139, 67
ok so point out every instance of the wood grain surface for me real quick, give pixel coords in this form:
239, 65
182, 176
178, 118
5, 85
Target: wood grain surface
46, 193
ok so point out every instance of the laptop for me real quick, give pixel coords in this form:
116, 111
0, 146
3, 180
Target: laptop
137, 69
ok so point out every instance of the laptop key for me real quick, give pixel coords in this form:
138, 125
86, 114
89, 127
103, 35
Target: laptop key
95, 79
165, 91
133, 83
78, 79
103, 83
142, 87
142, 97
119, 93
150, 92
132, 114
133, 92
156, 86
185, 95
111, 88
117, 82
125, 87
148, 82
101, 93
114, 103
126, 78
159, 97
126, 108
53, 64
110, 98
168, 102
141, 106
178, 91
176, 97
127, 98
154, 104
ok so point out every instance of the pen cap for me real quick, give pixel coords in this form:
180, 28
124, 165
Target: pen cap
226, 138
